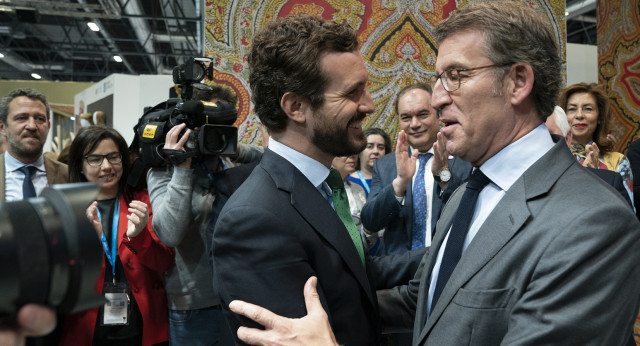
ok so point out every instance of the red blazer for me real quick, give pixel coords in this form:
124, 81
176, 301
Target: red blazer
144, 258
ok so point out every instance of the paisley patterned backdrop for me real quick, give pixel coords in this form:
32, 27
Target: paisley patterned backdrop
395, 38
619, 62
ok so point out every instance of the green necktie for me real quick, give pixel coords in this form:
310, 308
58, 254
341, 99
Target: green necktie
341, 206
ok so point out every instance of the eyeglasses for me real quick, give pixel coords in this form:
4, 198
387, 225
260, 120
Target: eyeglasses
94, 160
452, 78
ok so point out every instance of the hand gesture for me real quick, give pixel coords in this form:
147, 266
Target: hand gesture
593, 153
312, 329
405, 165
440, 155
32, 320
92, 216
171, 141
137, 219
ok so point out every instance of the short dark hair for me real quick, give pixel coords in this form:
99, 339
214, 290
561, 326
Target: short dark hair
422, 86
27, 92
513, 33
206, 92
285, 57
604, 110
85, 142
378, 131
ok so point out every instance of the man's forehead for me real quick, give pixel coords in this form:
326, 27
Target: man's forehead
353, 61
22, 101
460, 49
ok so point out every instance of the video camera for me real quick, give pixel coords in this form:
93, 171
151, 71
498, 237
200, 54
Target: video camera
215, 136
50, 252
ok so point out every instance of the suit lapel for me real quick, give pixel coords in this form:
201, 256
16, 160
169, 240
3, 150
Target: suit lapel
2, 179
317, 211
506, 219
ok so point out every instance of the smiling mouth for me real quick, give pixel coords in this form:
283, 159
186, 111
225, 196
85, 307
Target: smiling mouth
580, 126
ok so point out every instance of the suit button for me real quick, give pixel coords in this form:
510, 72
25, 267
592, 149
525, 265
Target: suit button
136, 290
129, 264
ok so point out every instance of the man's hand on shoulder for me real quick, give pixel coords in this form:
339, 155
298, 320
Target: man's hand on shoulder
312, 329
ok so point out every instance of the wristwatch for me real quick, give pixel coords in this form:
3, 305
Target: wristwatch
443, 176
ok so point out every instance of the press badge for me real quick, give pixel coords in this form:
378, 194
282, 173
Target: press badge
116, 309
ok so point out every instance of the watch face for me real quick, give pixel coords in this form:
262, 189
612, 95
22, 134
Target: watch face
445, 175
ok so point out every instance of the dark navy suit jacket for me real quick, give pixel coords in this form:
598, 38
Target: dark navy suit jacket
382, 209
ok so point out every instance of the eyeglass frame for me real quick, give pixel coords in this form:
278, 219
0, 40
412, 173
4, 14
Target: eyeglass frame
458, 70
86, 158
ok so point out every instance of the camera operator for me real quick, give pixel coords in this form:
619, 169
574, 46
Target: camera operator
182, 196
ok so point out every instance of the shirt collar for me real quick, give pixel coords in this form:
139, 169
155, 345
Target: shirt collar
505, 167
12, 164
310, 168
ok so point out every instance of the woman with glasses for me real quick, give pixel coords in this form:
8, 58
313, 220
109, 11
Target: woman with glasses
135, 306
588, 113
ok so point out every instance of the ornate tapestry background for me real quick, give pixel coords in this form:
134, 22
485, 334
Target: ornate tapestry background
619, 62
395, 38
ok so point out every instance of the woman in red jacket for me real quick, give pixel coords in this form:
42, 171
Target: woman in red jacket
136, 309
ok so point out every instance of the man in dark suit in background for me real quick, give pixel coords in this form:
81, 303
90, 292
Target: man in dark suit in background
547, 254
390, 205
308, 82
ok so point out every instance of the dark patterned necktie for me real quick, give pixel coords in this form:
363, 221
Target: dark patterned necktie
341, 206
419, 193
28, 190
459, 230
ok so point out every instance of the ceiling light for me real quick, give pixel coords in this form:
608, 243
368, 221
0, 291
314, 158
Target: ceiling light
566, 14
117, 58
93, 26
1, 55
36, 76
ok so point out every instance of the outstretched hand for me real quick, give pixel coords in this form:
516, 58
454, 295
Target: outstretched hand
405, 165
312, 329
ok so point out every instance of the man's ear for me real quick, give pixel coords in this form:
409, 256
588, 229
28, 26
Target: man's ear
2, 128
294, 107
520, 83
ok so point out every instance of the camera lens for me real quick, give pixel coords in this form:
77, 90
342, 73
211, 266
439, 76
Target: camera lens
50, 252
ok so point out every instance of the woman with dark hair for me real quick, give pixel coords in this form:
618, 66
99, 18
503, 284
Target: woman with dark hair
378, 144
588, 113
136, 308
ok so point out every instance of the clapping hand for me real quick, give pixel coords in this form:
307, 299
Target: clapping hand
137, 219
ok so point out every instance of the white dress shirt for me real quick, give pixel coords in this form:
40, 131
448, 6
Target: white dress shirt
310, 168
503, 168
13, 177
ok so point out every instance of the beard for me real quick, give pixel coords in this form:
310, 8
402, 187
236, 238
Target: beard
334, 139
20, 149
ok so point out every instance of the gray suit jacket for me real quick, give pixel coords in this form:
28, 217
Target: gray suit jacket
556, 262
57, 173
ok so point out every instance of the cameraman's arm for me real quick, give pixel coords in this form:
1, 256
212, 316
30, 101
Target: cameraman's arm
170, 191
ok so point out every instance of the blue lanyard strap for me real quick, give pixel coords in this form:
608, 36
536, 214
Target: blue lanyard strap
364, 181
111, 255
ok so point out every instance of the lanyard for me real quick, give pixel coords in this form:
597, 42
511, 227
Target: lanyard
111, 256
364, 182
